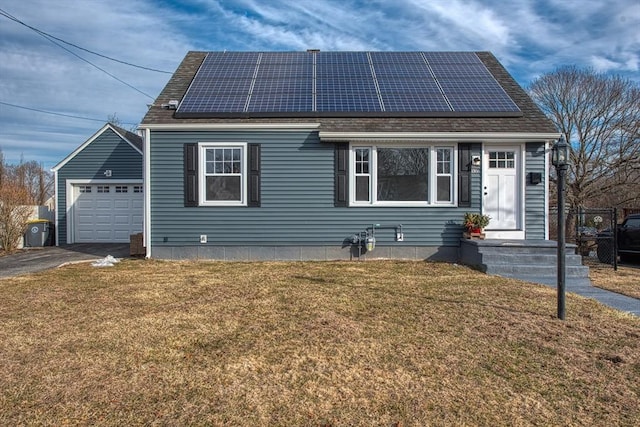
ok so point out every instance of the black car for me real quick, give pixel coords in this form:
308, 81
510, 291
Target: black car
628, 240
629, 237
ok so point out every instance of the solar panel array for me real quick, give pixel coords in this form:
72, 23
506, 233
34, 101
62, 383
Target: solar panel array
343, 82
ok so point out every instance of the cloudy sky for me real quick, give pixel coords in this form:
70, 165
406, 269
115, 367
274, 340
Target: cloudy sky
47, 60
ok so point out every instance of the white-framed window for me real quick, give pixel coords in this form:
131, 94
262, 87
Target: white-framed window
362, 174
103, 188
122, 189
223, 176
137, 188
444, 175
84, 188
395, 175
502, 160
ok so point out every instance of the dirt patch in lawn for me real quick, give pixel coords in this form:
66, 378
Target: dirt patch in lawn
360, 343
626, 280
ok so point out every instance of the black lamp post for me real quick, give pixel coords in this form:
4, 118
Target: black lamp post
559, 158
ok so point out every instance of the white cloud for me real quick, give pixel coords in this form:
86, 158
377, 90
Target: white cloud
529, 37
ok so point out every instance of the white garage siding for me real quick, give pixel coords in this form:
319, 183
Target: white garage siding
105, 212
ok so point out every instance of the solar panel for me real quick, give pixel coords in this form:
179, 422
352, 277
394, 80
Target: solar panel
347, 101
217, 104
342, 57
281, 102
451, 58
396, 57
471, 85
345, 85
343, 70
460, 71
286, 58
415, 71
343, 82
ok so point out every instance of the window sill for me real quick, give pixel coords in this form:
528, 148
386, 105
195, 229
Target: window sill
401, 205
222, 204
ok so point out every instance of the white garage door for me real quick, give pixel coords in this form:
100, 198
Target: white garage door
107, 212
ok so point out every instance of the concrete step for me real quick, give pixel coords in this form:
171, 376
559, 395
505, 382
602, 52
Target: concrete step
577, 271
527, 259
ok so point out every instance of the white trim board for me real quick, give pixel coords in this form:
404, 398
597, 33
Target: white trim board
89, 141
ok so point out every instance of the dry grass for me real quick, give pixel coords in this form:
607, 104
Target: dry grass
371, 343
625, 281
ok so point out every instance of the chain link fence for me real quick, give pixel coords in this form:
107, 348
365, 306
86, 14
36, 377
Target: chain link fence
594, 233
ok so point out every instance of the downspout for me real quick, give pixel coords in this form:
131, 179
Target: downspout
56, 205
547, 151
146, 155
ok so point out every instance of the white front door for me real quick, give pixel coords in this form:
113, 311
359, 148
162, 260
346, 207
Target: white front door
501, 188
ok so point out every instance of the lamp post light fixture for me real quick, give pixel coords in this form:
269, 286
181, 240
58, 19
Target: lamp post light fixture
559, 159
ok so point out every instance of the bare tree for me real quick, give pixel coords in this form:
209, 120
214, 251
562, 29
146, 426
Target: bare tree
21, 187
599, 115
37, 181
14, 213
3, 169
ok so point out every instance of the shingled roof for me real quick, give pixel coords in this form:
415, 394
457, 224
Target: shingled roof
532, 119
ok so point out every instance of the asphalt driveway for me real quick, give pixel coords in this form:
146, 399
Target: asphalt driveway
39, 259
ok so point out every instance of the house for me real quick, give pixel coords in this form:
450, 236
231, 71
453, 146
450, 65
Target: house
308, 155
99, 190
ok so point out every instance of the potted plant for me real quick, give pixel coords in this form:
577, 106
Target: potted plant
475, 224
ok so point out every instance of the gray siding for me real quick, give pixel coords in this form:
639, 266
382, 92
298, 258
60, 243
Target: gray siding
535, 193
297, 200
107, 151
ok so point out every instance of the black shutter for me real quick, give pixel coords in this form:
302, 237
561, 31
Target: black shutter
254, 176
464, 175
190, 175
341, 192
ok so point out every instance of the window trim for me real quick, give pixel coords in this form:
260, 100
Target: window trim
202, 167
450, 175
373, 173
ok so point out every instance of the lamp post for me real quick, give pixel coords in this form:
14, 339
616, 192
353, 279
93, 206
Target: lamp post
559, 158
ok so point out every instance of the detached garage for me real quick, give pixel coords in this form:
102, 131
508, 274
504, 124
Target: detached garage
99, 191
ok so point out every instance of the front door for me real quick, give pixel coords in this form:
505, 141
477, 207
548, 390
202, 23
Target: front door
501, 187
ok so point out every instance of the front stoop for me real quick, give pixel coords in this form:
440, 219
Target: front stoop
528, 260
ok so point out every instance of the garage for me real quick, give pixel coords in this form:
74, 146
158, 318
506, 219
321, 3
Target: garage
99, 189
106, 212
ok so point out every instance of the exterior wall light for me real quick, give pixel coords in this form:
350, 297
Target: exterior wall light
560, 153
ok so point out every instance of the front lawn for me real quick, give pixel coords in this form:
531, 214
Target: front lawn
317, 343
626, 280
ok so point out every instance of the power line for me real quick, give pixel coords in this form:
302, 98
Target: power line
3, 13
43, 33
58, 114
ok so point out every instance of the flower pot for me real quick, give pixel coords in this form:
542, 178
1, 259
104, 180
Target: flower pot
474, 233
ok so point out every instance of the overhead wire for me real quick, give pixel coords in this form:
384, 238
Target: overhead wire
13, 18
58, 114
53, 40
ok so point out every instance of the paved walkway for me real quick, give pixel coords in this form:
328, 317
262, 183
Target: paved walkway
611, 299
39, 259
